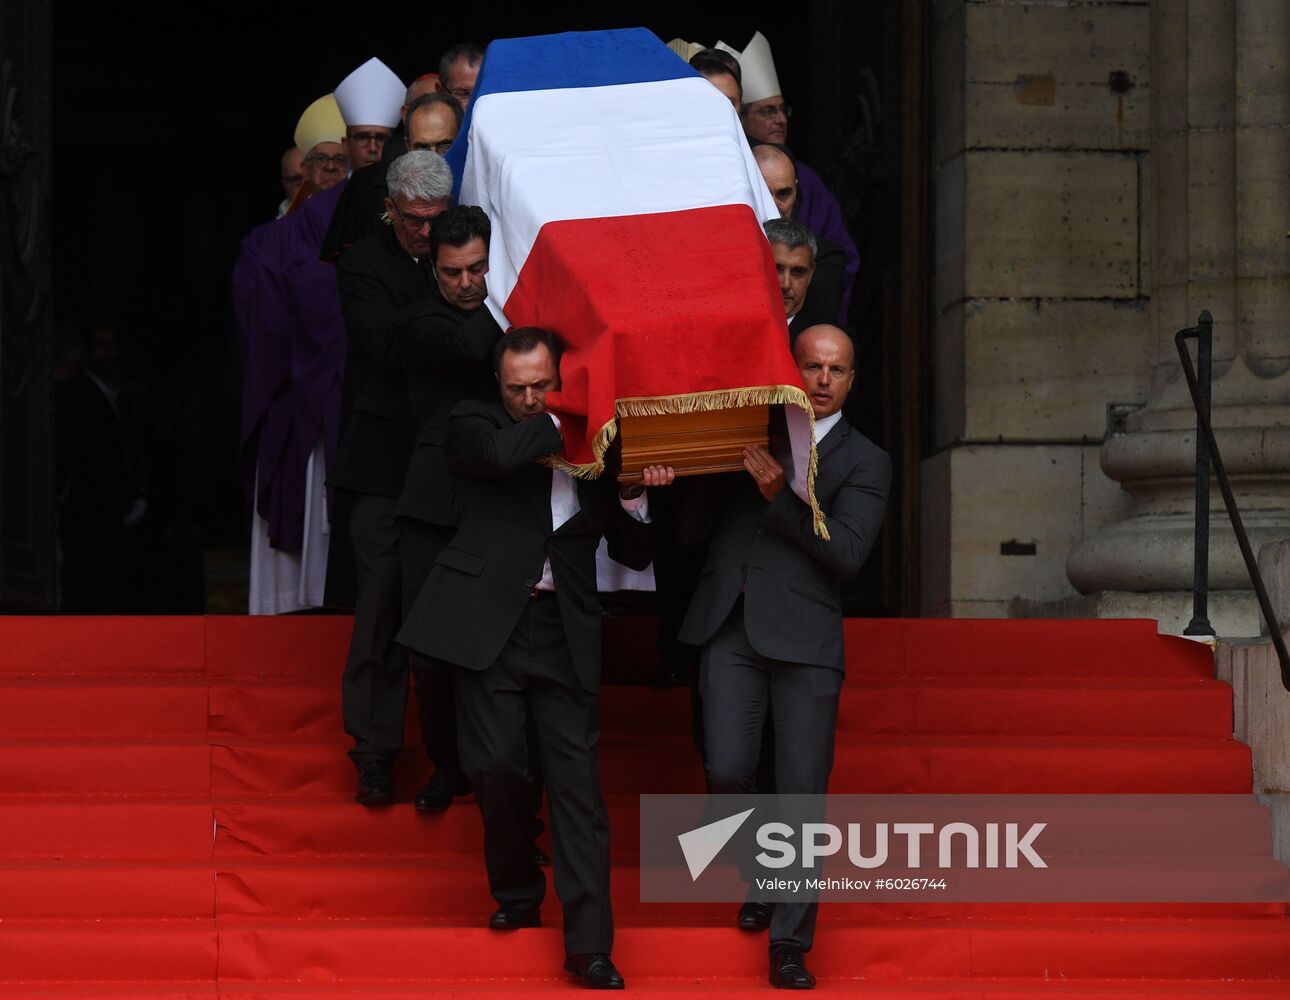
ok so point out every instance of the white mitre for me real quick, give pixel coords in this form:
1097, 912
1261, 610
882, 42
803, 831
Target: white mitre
758, 69
371, 95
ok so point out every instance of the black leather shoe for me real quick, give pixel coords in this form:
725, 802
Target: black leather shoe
513, 916
437, 793
595, 971
375, 783
755, 916
788, 968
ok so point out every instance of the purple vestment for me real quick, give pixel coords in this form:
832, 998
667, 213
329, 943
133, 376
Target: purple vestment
817, 207
292, 337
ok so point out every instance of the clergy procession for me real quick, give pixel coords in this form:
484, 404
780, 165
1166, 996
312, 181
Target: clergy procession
564, 318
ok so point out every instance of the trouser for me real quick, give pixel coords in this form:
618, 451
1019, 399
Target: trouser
419, 546
374, 687
739, 686
534, 679
678, 563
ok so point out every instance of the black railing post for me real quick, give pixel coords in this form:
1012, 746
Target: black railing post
1199, 624
1205, 430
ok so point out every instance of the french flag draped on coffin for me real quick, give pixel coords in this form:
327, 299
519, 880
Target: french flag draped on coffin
626, 211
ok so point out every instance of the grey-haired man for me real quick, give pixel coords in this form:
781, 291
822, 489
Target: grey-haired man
380, 277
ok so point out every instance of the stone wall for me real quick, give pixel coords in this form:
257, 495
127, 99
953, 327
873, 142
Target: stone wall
1040, 158
1219, 196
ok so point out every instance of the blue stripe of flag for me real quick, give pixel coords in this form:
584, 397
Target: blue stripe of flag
569, 60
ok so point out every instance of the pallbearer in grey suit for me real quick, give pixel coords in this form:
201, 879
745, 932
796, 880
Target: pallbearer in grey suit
768, 612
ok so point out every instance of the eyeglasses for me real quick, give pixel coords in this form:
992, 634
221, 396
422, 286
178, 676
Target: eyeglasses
340, 161
434, 147
363, 138
292, 178
414, 222
774, 111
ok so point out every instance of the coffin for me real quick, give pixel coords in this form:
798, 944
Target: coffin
693, 444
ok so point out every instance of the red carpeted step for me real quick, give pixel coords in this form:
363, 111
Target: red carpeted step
1062, 649
868, 707
135, 709
118, 710
982, 765
754, 984
320, 769
938, 707
751, 983
305, 709
120, 891
872, 765
152, 770
283, 646
1088, 709
318, 953
314, 646
160, 952
455, 892
341, 829
113, 746
970, 765
88, 646
53, 831
189, 991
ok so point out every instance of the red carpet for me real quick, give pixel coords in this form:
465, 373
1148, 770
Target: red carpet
175, 821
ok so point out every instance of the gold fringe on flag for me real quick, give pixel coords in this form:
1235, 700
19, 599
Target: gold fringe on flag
693, 402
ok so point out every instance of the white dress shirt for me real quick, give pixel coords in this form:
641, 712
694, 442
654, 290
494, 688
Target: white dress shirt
564, 505
825, 424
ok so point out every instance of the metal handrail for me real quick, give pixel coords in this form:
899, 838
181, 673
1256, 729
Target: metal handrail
1207, 454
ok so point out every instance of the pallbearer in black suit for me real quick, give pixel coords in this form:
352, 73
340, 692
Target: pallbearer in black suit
512, 602
768, 610
446, 346
381, 277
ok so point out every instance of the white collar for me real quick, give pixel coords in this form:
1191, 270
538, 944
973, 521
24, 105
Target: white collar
825, 424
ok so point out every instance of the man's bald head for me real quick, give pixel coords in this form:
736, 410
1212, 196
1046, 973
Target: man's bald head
780, 175
420, 86
823, 332
825, 359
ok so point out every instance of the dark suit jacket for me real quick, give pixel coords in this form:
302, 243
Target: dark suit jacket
482, 581
358, 212
377, 281
790, 578
445, 353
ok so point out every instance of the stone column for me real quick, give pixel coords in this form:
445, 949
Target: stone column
1041, 133
1220, 188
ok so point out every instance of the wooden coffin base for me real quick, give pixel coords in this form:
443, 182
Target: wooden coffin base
694, 444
